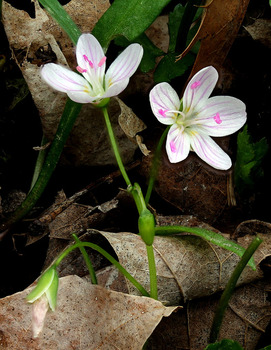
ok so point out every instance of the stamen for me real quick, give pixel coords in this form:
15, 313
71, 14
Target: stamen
195, 85
173, 147
217, 118
102, 61
81, 70
89, 61
162, 112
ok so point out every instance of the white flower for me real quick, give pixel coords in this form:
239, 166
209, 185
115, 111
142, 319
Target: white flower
197, 117
94, 84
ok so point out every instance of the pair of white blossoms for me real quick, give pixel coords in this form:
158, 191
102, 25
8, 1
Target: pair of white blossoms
193, 120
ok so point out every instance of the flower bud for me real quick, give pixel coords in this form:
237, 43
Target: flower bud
48, 285
146, 225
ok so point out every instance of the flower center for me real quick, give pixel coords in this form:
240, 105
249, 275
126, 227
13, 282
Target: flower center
185, 120
93, 75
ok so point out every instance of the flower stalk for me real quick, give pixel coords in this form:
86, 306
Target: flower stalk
109, 258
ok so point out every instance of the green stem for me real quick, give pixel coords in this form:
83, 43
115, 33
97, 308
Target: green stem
152, 272
224, 300
210, 236
155, 165
67, 120
115, 146
91, 270
39, 162
108, 257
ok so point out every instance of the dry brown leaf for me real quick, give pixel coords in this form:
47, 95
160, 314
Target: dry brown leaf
246, 320
128, 121
191, 186
218, 30
87, 317
88, 143
261, 30
188, 267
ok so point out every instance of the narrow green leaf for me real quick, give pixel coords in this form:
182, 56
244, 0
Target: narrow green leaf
169, 69
248, 167
62, 18
225, 344
129, 18
173, 26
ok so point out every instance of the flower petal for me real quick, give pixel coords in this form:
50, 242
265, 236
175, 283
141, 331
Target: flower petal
164, 98
199, 88
116, 88
39, 311
65, 80
177, 144
209, 151
222, 115
89, 55
124, 65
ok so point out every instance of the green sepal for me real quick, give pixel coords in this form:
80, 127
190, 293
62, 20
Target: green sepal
103, 103
146, 225
51, 292
43, 284
48, 284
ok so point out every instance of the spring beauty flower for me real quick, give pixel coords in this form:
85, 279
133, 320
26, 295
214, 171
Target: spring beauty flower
93, 85
43, 296
197, 117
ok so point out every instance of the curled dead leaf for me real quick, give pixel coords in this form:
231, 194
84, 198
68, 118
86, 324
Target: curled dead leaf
87, 317
188, 267
219, 27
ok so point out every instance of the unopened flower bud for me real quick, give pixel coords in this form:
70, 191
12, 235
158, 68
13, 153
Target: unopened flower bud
146, 225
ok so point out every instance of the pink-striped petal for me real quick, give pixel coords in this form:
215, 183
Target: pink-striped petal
90, 57
124, 65
64, 80
116, 88
199, 88
222, 115
177, 144
164, 98
209, 151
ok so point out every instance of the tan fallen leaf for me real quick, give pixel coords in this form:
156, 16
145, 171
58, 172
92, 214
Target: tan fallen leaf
246, 320
188, 267
87, 317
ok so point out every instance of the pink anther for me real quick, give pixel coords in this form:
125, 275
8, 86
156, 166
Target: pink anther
217, 118
102, 61
81, 70
89, 61
173, 147
162, 112
195, 85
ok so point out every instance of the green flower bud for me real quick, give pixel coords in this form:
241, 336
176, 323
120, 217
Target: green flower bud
48, 285
146, 225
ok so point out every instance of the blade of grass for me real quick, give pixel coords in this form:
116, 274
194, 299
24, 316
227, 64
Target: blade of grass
224, 300
58, 13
